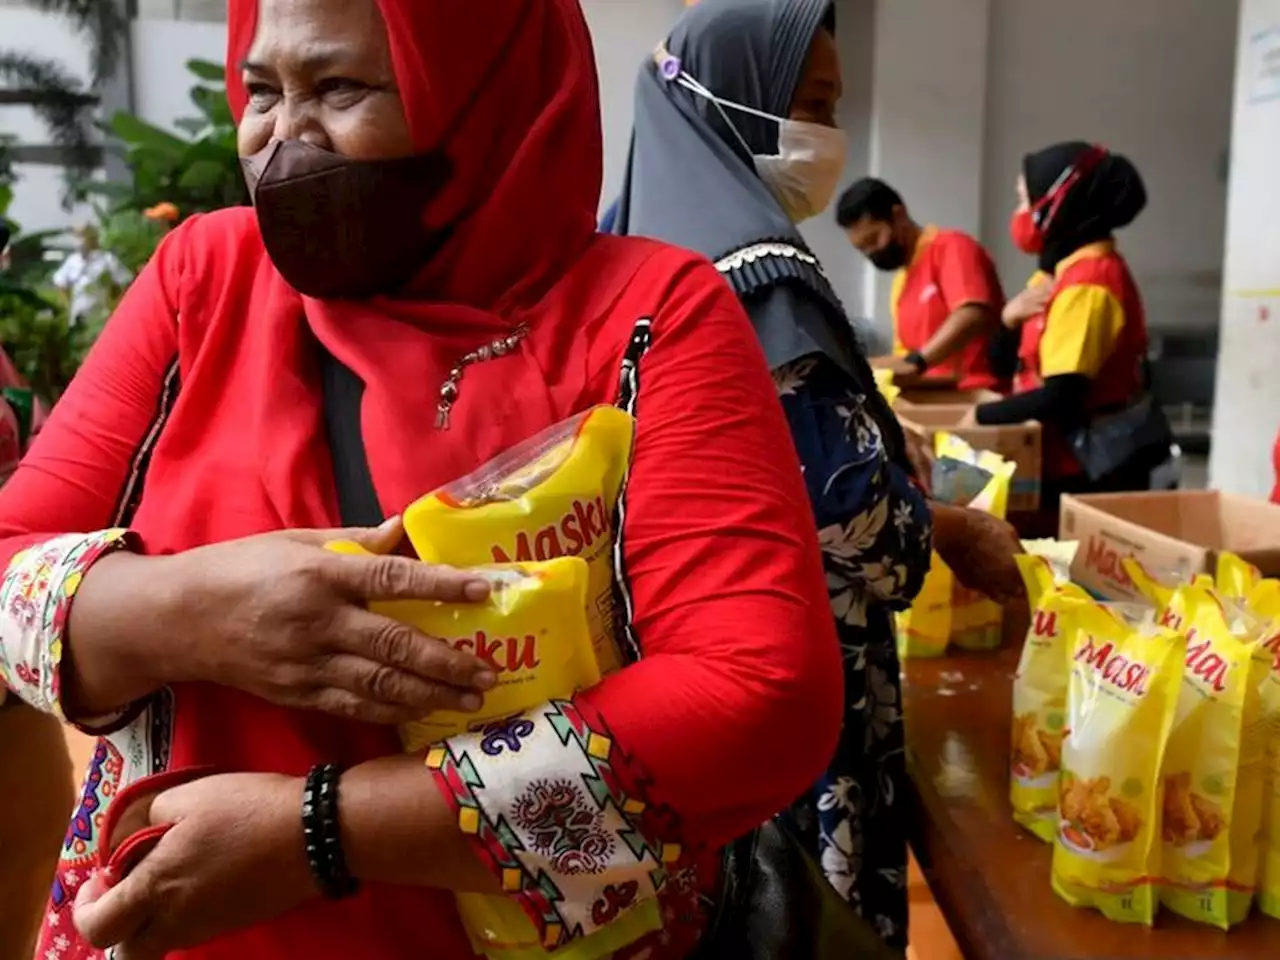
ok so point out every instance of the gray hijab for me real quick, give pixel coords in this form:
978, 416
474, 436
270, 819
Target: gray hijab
690, 182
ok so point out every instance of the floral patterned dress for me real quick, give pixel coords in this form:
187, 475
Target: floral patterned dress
876, 533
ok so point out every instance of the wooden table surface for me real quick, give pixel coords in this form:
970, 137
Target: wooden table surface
991, 878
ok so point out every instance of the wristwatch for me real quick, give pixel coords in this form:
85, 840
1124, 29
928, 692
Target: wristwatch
917, 360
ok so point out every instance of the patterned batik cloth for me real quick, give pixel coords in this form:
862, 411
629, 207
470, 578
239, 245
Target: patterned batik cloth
876, 531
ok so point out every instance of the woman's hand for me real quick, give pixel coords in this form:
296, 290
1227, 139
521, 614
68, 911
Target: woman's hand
278, 616
234, 857
979, 548
1027, 304
281, 617
920, 456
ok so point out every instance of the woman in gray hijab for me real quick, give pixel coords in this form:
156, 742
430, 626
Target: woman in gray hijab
735, 142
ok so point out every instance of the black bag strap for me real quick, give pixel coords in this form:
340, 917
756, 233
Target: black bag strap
343, 391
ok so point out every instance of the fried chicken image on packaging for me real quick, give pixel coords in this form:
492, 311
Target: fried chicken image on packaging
1107, 821
1035, 751
1052, 744
1188, 816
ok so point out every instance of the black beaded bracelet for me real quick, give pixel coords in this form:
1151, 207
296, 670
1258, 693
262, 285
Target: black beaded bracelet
321, 833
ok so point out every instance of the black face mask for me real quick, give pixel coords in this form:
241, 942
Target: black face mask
892, 256
345, 229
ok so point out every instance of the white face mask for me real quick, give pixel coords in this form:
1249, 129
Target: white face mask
804, 173
807, 168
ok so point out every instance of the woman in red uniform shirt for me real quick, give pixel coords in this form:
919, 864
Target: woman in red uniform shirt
398, 151
1083, 328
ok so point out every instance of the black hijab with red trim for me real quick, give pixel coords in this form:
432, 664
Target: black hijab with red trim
1107, 198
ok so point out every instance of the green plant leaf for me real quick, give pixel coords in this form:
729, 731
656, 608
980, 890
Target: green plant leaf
136, 132
192, 126
203, 175
213, 104
207, 70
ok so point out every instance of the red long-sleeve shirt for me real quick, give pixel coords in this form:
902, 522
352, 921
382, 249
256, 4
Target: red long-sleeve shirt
201, 406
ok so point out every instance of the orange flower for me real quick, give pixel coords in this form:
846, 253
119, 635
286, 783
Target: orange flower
164, 212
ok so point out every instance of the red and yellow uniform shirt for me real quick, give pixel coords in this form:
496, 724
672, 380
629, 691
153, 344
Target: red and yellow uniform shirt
948, 270
1095, 325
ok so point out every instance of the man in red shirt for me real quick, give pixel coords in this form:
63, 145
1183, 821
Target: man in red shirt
946, 298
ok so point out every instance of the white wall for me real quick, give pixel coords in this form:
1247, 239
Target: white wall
1247, 408
625, 32
856, 40
929, 105
161, 49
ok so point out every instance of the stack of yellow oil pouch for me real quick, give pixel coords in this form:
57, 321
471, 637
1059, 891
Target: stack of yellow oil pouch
1040, 694
551, 496
945, 612
1121, 695
1214, 764
1263, 601
538, 522
1163, 721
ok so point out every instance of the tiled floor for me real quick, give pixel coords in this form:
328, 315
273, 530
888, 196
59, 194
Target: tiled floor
930, 938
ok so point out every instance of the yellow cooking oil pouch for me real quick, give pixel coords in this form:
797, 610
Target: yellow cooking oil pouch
1159, 587
1213, 766
533, 630
924, 630
1265, 603
553, 495
1040, 694
1121, 693
1059, 554
1269, 874
976, 620
888, 389
1235, 577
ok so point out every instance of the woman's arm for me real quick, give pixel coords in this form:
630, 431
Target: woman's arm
722, 579
1028, 302
873, 520
1060, 401
79, 477
1080, 334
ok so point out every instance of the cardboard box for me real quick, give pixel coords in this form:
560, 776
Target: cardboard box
1017, 443
927, 397
1176, 533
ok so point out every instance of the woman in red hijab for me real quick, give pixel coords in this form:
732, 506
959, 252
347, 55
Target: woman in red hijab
398, 151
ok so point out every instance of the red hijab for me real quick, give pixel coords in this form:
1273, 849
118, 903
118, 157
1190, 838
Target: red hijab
516, 92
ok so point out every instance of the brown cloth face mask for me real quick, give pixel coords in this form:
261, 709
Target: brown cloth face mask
337, 228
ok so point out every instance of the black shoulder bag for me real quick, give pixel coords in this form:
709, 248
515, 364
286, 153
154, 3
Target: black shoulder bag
774, 902
1135, 433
